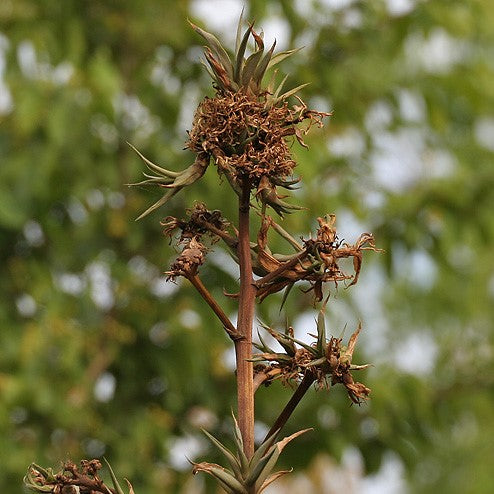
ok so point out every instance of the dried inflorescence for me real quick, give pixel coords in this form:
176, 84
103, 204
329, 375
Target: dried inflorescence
247, 138
316, 260
201, 222
71, 479
327, 362
243, 129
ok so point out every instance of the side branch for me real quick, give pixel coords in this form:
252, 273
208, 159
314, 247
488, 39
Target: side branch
203, 291
292, 404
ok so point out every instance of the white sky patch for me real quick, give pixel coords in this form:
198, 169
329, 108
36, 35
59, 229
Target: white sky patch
421, 269
348, 226
396, 158
6, 103
95, 199
161, 74
379, 116
70, 283
101, 285
438, 53
159, 334
26, 305
275, 27
33, 233
349, 143
224, 261
142, 269
34, 68
400, 7
77, 211
183, 449
116, 200
219, 16
161, 288
367, 295
484, 132
191, 96
104, 387
135, 116
438, 163
189, 319
228, 358
416, 354
412, 106
352, 19
336, 4
390, 479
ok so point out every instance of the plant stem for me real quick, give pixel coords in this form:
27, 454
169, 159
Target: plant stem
203, 291
292, 404
243, 347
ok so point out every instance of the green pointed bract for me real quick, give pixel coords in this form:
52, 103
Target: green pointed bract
321, 332
224, 478
273, 454
281, 339
250, 67
153, 167
262, 66
114, 480
240, 55
263, 346
168, 179
216, 47
240, 445
279, 57
231, 458
256, 474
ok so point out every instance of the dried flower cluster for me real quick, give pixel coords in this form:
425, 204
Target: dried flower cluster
243, 129
316, 261
327, 362
72, 479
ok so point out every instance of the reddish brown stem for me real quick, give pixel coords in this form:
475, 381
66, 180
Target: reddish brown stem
203, 291
243, 348
292, 404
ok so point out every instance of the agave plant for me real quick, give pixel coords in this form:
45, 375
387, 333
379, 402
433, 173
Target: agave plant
244, 475
244, 128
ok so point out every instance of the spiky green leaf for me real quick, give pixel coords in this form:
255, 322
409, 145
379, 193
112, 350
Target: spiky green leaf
114, 480
321, 332
274, 454
239, 62
231, 458
152, 166
223, 476
216, 47
250, 67
244, 461
279, 57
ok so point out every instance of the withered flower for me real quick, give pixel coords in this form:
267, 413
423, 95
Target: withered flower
244, 128
188, 262
201, 223
328, 362
72, 479
316, 260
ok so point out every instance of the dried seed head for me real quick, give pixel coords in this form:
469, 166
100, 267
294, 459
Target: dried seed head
188, 262
246, 139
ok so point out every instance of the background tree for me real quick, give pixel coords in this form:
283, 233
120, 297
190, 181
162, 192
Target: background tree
100, 355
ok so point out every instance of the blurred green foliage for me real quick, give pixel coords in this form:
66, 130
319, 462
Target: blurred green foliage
100, 356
